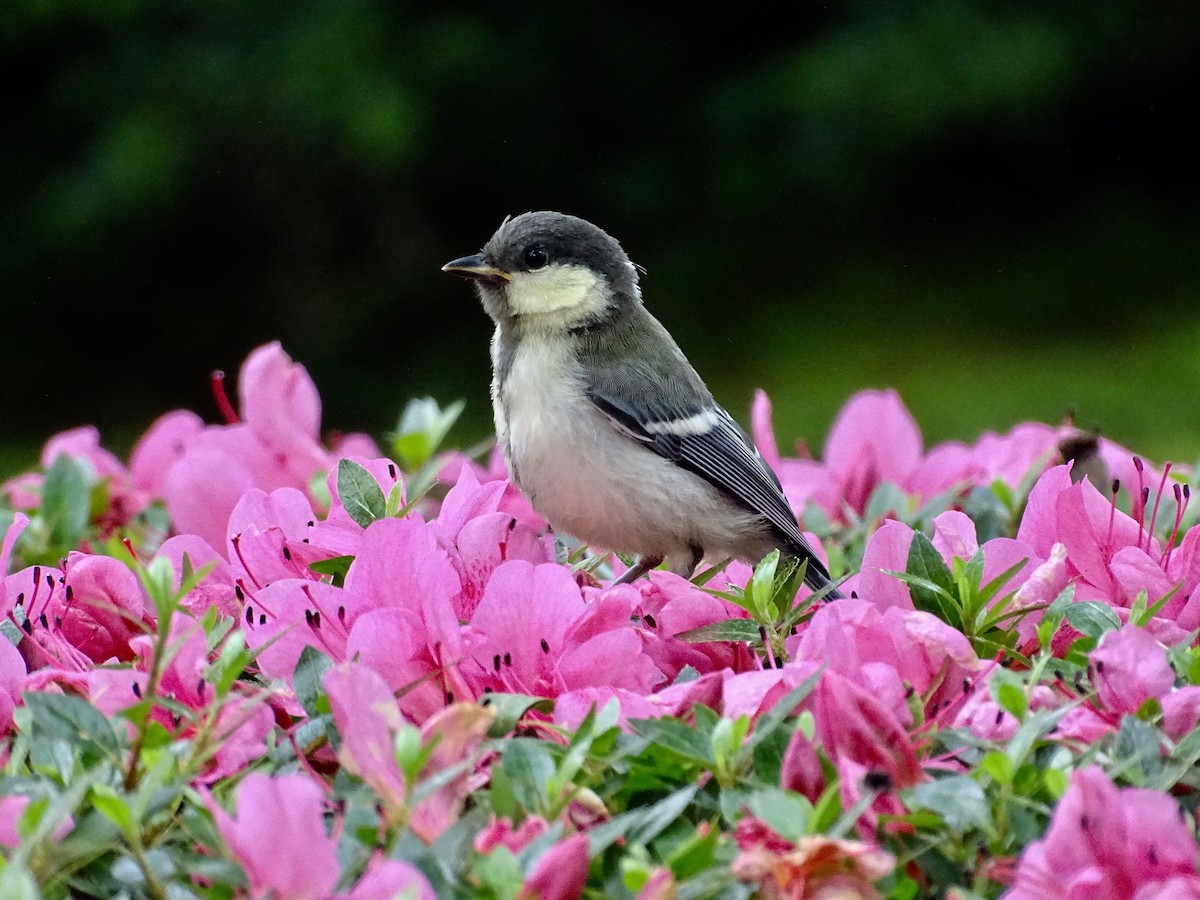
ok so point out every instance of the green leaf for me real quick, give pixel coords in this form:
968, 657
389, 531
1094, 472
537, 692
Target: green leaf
114, 807
336, 567
360, 493
998, 767
958, 799
1137, 751
761, 588
422, 428
641, 825
1092, 618
72, 719
509, 710
16, 882
1009, 691
529, 767
786, 812
886, 498
739, 630
308, 680
677, 737
931, 583
66, 502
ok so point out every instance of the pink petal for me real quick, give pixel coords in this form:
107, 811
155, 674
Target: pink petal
278, 835
560, 873
1130, 668
887, 550
1039, 523
388, 879
367, 718
202, 489
954, 535
873, 439
761, 429
164, 444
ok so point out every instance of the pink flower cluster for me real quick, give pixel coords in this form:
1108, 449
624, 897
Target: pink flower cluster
444, 610
874, 440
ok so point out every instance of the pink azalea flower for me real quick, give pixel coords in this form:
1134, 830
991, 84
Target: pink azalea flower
988, 720
801, 768
102, 606
1115, 557
82, 615
560, 873
458, 730
275, 445
82, 445
15, 529
280, 403
277, 833
1181, 711
1129, 667
1108, 843
815, 866
671, 605
285, 617
164, 443
572, 707
400, 593
12, 675
269, 537
202, 488
873, 439
391, 879
110, 690
368, 718
753, 693
888, 652
216, 588
854, 724
500, 833
536, 635
478, 536
886, 551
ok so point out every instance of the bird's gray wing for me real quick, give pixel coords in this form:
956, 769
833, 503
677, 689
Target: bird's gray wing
706, 440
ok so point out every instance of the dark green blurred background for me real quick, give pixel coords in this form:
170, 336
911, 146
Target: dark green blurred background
990, 206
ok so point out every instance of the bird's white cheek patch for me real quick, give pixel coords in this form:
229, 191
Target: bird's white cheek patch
556, 289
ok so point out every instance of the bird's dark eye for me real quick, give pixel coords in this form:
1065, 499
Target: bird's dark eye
536, 257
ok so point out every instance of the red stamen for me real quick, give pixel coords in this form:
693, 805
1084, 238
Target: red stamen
1182, 496
1112, 512
1138, 510
217, 380
1162, 484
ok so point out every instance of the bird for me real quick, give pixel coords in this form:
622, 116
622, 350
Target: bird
604, 425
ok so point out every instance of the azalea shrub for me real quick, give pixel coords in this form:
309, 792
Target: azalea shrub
250, 662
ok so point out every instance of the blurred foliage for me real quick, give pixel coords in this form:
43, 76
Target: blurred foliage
965, 199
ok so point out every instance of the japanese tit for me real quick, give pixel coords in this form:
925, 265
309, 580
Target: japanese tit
604, 424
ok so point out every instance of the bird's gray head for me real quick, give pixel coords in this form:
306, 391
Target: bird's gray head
547, 269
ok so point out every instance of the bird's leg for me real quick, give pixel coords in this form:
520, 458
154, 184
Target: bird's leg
686, 569
638, 569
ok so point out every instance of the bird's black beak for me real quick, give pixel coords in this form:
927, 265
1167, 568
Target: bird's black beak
478, 268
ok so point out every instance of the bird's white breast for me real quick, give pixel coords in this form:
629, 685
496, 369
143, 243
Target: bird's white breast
588, 479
